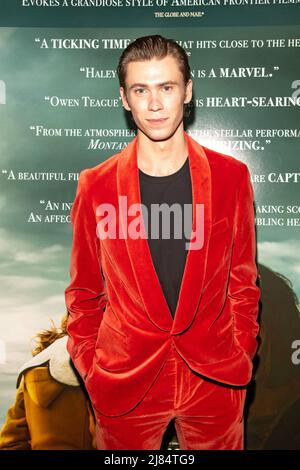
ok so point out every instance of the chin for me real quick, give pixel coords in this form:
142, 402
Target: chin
159, 134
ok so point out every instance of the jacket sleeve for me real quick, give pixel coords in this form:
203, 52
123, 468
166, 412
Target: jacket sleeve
15, 433
85, 296
243, 292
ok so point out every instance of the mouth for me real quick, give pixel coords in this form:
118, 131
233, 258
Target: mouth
157, 121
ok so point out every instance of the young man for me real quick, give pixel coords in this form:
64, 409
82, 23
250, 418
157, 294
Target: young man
163, 327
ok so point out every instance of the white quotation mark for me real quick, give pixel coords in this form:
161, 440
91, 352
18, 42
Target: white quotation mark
2, 92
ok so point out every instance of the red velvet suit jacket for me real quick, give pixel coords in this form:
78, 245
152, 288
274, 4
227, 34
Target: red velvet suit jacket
120, 327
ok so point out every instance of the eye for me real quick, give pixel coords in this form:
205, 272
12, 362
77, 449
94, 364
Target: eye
139, 91
167, 87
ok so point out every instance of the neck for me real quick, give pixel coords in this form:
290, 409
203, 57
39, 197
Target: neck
164, 157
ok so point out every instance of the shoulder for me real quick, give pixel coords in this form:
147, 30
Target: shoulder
54, 359
96, 175
222, 162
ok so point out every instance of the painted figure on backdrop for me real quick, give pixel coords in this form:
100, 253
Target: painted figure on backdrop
51, 410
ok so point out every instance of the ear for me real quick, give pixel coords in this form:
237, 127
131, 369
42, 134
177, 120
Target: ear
188, 91
124, 99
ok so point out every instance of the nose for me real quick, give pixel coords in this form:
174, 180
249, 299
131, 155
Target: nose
155, 102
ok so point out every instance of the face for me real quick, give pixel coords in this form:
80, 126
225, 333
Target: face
155, 95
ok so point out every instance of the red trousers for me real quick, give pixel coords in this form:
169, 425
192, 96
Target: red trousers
207, 415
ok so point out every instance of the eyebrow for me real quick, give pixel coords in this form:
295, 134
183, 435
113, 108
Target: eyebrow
169, 82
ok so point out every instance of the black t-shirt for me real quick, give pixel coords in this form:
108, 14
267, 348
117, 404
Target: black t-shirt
168, 253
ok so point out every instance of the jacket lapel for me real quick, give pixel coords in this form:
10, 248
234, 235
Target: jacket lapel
139, 251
